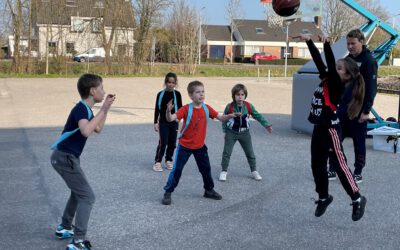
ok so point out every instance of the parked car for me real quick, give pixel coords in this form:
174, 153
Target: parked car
91, 55
262, 56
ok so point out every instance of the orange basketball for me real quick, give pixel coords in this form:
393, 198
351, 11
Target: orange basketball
285, 8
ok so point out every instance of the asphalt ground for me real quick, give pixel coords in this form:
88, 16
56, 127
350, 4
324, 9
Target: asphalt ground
275, 213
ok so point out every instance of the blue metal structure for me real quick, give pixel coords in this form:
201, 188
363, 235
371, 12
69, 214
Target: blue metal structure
379, 53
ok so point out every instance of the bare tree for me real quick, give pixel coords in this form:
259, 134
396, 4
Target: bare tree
233, 12
146, 12
15, 8
183, 23
338, 18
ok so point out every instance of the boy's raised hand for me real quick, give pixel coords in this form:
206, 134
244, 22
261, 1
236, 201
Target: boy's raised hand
237, 114
170, 106
108, 102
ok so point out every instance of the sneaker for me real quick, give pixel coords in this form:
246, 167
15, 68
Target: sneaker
322, 205
222, 176
169, 165
331, 175
167, 198
256, 176
212, 194
64, 233
157, 167
79, 245
358, 178
358, 208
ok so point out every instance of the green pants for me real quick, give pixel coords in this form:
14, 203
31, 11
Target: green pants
244, 139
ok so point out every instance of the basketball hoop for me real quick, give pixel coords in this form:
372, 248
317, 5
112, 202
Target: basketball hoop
273, 20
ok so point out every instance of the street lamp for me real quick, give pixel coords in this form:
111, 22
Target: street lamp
287, 49
199, 45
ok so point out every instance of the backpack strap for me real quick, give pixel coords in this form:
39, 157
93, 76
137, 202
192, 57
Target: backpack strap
160, 97
67, 134
248, 106
189, 117
326, 95
230, 110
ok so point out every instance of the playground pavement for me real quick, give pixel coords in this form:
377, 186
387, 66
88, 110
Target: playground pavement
275, 213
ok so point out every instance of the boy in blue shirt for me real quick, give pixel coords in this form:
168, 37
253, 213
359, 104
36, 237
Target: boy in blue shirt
65, 158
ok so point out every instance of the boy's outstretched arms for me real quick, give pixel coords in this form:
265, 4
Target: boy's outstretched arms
97, 123
170, 117
224, 118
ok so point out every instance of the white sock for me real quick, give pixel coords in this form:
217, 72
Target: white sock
358, 200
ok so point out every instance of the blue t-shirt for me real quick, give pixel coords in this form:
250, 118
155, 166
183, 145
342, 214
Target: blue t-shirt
75, 143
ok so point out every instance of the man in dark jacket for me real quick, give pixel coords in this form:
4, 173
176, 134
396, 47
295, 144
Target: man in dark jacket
357, 128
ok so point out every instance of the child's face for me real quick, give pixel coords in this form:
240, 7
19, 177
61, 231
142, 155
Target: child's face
198, 95
170, 84
98, 93
341, 70
240, 97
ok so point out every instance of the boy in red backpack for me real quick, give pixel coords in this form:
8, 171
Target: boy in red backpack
237, 129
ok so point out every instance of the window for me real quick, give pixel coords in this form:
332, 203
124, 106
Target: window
96, 25
260, 31
70, 3
250, 50
77, 24
122, 48
52, 47
70, 48
99, 4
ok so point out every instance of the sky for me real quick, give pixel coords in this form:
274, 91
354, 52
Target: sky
215, 10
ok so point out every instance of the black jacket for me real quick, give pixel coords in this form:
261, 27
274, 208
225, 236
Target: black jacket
321, 113
368, 69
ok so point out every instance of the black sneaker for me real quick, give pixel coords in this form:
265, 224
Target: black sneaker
358, 178
167, 198
322, 205
212, 194
358, 208
331, 175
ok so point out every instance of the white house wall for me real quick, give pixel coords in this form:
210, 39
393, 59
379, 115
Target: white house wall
82, 40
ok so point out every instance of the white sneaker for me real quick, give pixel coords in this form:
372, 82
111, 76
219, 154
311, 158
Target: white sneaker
222, 176
169, 165
256, 176
157, 167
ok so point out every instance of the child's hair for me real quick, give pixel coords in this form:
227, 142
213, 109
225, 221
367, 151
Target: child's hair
355, 105
173, 75
238, 87
192, 85
86, 82
356, 33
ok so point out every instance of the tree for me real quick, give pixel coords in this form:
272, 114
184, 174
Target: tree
146, 12
234, 12
338, 18
15, 8
183, 24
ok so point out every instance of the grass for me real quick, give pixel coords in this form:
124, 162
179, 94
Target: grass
159, 70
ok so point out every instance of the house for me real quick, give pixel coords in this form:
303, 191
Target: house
218, 41
251, 36
67, 27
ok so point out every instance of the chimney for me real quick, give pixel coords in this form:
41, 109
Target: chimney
318, 21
